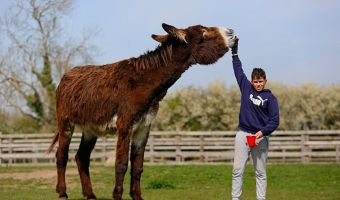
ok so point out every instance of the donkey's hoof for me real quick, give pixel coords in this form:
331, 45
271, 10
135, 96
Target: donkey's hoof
63, 198
91, 197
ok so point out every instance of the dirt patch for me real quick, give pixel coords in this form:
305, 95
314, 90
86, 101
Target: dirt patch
37, 174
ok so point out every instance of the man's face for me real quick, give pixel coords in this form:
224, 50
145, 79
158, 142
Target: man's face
258, 83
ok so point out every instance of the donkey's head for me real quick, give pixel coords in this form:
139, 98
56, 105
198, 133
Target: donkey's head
200, 44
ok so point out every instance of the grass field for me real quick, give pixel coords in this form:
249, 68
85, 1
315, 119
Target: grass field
199, 182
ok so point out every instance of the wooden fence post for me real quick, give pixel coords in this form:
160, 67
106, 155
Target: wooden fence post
202, 157
103, 158
305, 150
35, 151
10, 150
284, 156
337, 148
1, 147
152, 148
178, 148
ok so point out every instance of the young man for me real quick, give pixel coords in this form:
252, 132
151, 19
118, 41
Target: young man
259, 116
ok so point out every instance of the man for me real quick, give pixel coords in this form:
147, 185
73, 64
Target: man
259, 116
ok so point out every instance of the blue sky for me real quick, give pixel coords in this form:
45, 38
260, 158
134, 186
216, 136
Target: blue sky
294, 41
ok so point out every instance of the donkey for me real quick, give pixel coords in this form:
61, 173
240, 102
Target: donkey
123, 98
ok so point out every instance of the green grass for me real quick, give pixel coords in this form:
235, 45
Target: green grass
199, 182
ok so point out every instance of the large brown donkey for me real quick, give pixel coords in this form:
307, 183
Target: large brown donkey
123, 97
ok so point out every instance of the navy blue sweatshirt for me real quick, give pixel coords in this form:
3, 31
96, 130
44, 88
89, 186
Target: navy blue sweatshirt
259, 111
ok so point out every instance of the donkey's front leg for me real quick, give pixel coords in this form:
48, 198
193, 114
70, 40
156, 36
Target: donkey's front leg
122, 158
139, 139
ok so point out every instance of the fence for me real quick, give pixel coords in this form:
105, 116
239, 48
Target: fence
182, 147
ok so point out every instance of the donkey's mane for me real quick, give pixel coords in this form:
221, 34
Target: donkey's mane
159, 57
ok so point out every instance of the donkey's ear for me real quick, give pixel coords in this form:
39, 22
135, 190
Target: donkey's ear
175, 32
160, 38
168, 28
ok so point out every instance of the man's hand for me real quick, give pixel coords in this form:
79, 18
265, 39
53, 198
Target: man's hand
234, 49
259, 134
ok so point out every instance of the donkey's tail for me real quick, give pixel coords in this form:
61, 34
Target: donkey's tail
54, 140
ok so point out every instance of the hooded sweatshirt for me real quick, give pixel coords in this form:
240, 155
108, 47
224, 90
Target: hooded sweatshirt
259, 111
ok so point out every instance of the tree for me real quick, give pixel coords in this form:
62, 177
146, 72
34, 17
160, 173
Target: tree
36, 56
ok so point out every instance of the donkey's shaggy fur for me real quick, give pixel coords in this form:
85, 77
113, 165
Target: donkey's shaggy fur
123, 97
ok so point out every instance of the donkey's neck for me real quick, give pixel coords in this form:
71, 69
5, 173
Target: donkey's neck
164, 65
163, 56
151, 60
158, 70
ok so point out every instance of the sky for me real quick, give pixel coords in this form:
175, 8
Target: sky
294, 41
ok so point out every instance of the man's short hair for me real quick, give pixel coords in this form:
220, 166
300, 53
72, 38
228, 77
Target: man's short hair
258, 73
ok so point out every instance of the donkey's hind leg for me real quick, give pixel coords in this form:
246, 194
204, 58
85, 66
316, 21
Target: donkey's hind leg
65, 131
87, 143
139, 139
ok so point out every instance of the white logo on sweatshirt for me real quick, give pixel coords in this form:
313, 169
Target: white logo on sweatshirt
258, 101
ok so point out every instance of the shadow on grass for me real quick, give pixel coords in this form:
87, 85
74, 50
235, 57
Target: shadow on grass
97, 199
